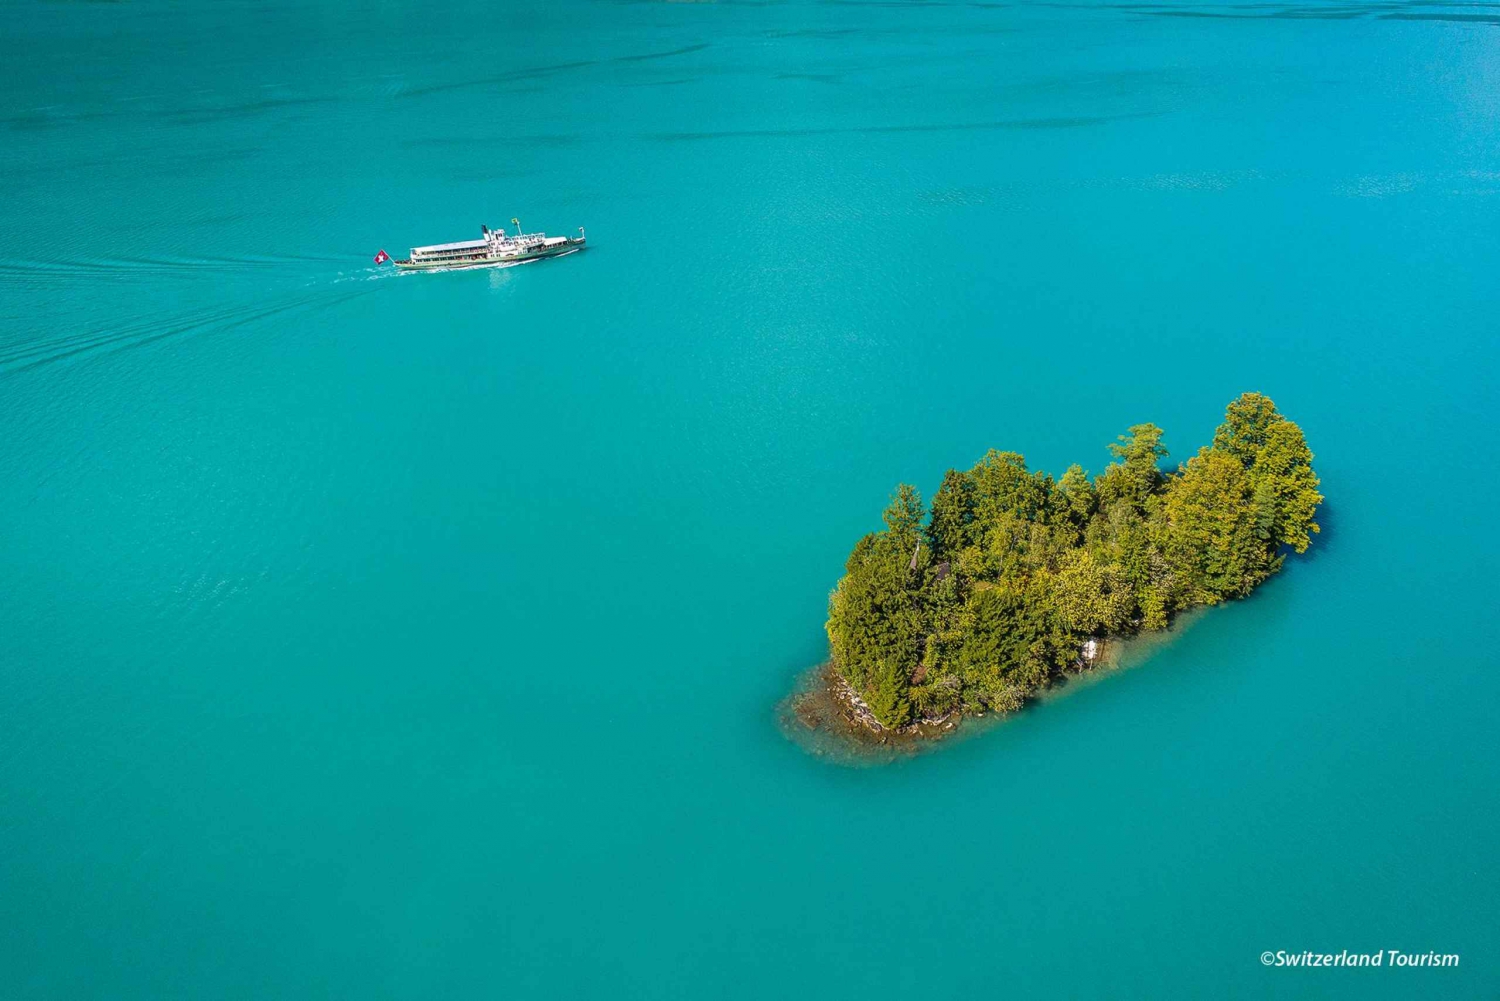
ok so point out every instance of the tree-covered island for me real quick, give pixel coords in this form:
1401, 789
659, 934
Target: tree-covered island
979, 603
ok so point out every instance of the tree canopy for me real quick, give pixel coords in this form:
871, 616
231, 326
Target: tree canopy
981, 601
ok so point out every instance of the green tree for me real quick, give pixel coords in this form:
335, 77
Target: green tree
1075, 495
1135, 475
1015, 640
1286, 485
1002, 485
951, 527
1246, 423
1092, 597
903, 516
1207, 529
873, 615
1280, 463
887, 696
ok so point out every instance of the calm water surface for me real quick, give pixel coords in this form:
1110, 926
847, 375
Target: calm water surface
412, 637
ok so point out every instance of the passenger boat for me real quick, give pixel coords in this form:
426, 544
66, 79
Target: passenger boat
496, 248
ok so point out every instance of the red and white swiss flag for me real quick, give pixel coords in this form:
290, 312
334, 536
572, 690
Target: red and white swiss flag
382, 257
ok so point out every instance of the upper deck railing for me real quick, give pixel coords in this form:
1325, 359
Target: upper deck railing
494, 240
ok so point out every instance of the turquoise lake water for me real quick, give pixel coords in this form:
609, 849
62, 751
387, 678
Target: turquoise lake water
366, 636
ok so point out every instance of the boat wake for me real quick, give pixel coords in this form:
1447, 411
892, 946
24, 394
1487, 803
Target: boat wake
42, 278
23, 274
20, 357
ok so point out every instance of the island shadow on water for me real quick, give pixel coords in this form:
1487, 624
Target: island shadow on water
820, 716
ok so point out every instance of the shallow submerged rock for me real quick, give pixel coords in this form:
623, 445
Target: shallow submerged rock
825, 717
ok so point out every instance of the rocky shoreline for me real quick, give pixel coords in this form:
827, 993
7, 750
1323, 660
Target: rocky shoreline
828, 719
826, 702
859, 711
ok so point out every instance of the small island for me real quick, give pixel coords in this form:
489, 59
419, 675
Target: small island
1014, 578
